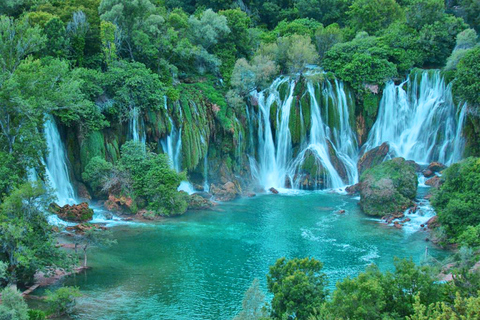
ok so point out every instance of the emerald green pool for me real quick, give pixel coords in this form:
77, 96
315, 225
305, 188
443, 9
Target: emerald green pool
199, 265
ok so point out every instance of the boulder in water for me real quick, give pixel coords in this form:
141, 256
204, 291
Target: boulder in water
373, 157
353, 189
74, 213
197, 202
436, 167
388, 189
427, 173
273, 190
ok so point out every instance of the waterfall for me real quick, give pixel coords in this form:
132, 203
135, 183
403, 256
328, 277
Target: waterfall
56, 164
172, 146
277, 161
421, 122
136, 126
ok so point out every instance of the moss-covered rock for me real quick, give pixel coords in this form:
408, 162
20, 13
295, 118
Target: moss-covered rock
388, 188
74, 213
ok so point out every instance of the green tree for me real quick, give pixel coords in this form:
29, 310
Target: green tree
13, 306
461, 309
362, 297
327, 37
93, 237
424, 12
300, 54
456, 202
129, 17
27, 240
373, 16
298, 287
17, 41
62, 301
467, 83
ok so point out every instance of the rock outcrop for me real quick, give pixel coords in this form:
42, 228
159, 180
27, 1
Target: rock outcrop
373, 157
120, 204
73, 213
388, 188
199, 202
226, 192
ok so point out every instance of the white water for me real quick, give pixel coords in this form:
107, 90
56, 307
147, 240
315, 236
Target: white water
420, 123
172, 146
276, 161
136, 127
57, 165
57, 172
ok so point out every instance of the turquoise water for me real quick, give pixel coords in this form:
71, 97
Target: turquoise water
199, 265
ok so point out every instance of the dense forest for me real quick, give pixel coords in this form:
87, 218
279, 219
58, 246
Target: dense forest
101, 70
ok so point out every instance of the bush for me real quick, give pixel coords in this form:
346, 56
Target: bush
456, 202
36, 315
13, 306
298, 287
63, 300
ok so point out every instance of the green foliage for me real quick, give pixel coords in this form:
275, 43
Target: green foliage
297, 285
96, 174
467, 83
470, 237
327, 37
456, 202
153, 179
36, 315
325, 11
62, 301
373, 16
27, 240
359, 62
462, 309
13, 306
132, 85
424, 12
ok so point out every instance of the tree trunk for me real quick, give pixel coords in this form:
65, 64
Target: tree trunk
85, 258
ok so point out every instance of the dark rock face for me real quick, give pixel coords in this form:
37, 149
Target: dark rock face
198, 202
388, 188
373, 157
227, 192
73, 213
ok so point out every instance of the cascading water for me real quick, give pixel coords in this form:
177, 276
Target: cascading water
420, 123
276, 159
56, 164
172, 146
136, 127
56, 168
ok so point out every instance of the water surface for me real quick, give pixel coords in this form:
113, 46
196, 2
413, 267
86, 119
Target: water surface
199, 265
